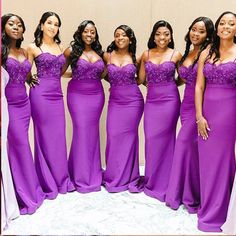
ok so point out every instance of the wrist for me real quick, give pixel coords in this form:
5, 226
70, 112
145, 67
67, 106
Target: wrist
199, 119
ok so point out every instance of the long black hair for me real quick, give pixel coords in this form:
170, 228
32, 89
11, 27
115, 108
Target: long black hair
209, 30
6, 39
216, 39
78, 45
132, 46
158, 24
38, 34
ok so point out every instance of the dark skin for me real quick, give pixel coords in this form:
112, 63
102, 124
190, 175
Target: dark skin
14, 30
120, 57
88, 37
226, 31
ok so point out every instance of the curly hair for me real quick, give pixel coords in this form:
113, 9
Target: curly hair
216, 39
38, 34
6, 39
78, 45
209, 30
158, 24
132, 46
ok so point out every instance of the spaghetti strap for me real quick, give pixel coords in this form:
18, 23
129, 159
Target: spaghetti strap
59, 47
110, 58
23, 52
172, 54
41, 49
148, 55
235, 59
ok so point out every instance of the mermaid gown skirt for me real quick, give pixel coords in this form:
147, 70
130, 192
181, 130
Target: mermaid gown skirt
49, 127
29, 193
161, 112
184, 186
85, 99
217, 153
125, 109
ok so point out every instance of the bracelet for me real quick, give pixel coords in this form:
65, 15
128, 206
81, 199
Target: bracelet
197, 121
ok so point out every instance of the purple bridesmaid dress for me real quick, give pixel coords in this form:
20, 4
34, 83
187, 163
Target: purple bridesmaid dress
161, 112
49, 126
125, 109
217, 154
29, 193
85, 99
184, 183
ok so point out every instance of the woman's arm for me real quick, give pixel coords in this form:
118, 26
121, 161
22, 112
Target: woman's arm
202, 124
142, 73
31, 80
64, 71
105, 59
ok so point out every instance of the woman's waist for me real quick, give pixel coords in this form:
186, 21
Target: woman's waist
131, 92
160, 81
85, 86
219, 93
50, 77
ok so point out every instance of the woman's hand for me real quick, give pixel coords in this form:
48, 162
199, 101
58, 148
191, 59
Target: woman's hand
203, 128
33, 80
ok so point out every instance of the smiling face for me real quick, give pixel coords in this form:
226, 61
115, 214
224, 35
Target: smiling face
162, 37
89, 34
14, 28
50, 27
121, 39
198, 33
227, 26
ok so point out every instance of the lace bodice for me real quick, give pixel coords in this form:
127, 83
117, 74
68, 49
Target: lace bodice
49, 65
88, 70
222, 74
121, 76
17, 71
189, 74
163, 73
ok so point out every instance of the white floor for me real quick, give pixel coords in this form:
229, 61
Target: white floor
103, 213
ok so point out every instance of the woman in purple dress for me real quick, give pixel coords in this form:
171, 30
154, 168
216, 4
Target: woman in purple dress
48, 108
28, 191
125, 108
161, 110
215, 100
85, 99
183, 185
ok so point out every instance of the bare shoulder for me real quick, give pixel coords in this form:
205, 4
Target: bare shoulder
106, 57
67, 52
144, 56
177, 56
138, 59
204, 54
32, 48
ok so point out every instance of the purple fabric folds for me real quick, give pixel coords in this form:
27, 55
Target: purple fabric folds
125, 110
49, 126
28, 191
184, 186
85, 99
216, 154
161, 112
